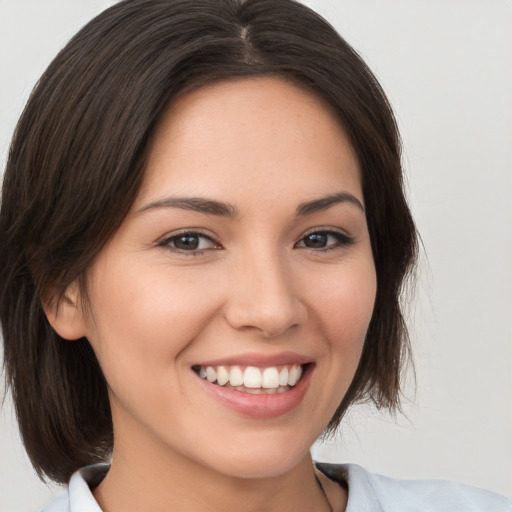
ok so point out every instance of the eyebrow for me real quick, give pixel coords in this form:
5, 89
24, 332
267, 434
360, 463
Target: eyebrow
196, 204
211, 207
324, 203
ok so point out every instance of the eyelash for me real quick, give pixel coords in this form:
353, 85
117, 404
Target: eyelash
342, 240
169, 241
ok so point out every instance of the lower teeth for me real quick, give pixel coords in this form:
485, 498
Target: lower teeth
259, 391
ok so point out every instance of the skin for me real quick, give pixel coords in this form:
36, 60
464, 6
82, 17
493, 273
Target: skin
264, 147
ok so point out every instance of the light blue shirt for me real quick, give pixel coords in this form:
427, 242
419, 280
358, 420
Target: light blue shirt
366, 493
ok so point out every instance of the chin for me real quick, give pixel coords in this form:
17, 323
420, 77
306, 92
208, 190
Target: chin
259, 459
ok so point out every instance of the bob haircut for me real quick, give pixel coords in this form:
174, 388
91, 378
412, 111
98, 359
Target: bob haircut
76, 164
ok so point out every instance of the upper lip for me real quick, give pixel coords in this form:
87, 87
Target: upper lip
259, 360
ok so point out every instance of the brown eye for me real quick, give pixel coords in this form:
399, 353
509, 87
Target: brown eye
325, 240
189, 242
316, 240
186, 242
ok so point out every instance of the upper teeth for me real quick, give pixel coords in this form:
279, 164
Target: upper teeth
252, 377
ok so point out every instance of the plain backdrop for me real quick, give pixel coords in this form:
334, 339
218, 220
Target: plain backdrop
446, 66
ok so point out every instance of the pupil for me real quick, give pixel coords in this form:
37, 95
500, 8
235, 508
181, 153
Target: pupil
187, 242
316, 240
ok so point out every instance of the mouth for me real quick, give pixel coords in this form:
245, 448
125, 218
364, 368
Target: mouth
252, 379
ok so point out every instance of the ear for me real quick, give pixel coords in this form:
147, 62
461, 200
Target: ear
65, 314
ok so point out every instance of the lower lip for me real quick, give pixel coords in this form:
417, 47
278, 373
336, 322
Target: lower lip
261, 406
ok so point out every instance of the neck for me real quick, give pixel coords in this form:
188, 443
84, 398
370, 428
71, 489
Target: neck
159, 481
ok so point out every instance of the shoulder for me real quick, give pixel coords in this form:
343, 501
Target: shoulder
78, 496
377, 493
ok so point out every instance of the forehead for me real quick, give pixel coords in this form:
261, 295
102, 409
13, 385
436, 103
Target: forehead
260, 133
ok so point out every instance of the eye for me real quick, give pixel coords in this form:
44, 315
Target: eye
191, 242
325, 239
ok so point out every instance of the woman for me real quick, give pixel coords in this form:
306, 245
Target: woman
205, 243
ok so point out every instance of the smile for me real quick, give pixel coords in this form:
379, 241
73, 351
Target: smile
251, 379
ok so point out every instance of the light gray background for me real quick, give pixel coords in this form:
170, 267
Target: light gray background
446, 66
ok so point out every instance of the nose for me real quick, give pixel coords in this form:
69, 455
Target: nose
262, 296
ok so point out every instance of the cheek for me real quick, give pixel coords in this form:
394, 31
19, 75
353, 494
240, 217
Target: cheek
345, 306
342, 306
146, 318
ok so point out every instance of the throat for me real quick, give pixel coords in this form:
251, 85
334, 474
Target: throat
192, 487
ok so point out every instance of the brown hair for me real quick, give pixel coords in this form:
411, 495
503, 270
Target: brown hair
77, 160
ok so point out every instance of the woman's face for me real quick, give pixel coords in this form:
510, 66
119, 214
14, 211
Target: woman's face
245, 257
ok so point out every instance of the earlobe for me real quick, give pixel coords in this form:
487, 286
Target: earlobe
65, 314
